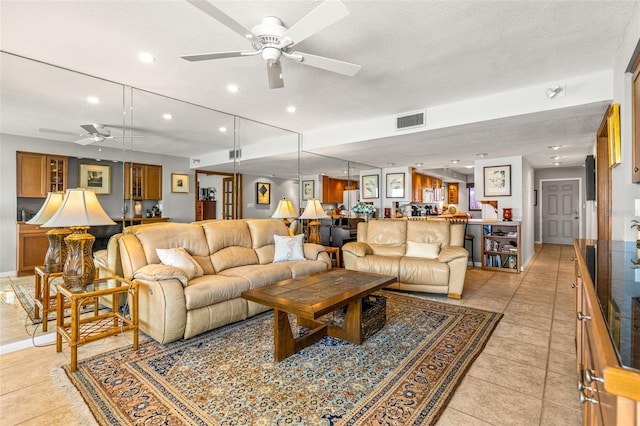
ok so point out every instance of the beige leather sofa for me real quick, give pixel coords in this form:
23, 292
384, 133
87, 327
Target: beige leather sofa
426, 256
234, 255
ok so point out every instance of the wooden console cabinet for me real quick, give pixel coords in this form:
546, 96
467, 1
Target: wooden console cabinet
609, 385
32, 246
205, 210
38, 174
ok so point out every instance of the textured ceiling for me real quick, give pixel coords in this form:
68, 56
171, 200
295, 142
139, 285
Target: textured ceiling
414, 55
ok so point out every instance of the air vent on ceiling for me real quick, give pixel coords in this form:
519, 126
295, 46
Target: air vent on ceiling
410, 120
235, 154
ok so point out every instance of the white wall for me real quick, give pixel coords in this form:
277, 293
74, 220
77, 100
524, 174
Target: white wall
280, 188
624, 191
179, 207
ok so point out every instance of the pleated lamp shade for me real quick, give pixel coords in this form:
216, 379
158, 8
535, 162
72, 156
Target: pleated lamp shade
48, 209
284, 210
80, 207
313, 210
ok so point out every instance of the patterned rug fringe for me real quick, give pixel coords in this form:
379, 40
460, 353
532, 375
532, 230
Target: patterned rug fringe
77, 403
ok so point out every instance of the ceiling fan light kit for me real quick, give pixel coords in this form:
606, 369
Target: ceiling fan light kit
272, 39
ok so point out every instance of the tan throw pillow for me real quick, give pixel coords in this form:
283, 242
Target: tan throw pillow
288, 248
180, 258
425, 250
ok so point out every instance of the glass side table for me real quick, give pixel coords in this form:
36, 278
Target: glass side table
94, 326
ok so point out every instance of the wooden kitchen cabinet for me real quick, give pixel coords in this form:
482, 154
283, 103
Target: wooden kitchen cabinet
38, 174
142, 181
332, 190
452, 192
32, 246
609, 385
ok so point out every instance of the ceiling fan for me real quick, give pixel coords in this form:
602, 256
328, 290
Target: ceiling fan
94, 133
273, 40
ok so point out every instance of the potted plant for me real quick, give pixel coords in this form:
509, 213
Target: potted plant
365, 210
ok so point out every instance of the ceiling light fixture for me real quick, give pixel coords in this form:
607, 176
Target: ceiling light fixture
222, 129
557, 163
232, 88
555, 91
469, 167
167, 116
555, 147
146, 57
418, 164
482, 155
556, 157
291, 109
455, 161
93, 100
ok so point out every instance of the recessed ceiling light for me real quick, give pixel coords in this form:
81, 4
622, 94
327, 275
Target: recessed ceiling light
418, 164
482, 155
446, 166
391, 164
232, 88
556, 157
455, 161
146, 57
167, 116
222, 129
291, 109
555, 147
557, 163
93, 100
469, 167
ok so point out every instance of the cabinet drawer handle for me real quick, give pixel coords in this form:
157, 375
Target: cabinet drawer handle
573, 285
590, 376
582, 387
584, 398
582, 317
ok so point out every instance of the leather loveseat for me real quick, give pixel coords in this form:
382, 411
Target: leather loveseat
231, 255
427, 256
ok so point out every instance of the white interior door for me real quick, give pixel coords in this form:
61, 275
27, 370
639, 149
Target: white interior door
560, 211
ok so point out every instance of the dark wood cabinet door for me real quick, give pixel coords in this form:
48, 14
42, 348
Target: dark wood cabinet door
31, 179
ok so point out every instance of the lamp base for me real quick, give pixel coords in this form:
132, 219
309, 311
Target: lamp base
79, 269
314, 233
57, 251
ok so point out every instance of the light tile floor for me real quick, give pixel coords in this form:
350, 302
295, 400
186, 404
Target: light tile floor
526, 375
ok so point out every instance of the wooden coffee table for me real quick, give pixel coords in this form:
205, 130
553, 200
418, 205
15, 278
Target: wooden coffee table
310, 297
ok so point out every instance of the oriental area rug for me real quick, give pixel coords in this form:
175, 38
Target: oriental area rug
404, 374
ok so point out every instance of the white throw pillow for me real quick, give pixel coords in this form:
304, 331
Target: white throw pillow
180, 258
425, 250
288, 248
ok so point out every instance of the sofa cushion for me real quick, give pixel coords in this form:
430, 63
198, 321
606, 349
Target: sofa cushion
383, 265
259, 276
429, 231
288, 248
387, 237
424, 250
305, 267
221, 234
180, 258
262, 233
158, 272
414, 270
172, 235
232, 257
211, 289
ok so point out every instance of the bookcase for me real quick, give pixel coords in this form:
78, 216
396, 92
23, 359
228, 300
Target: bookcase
501, 247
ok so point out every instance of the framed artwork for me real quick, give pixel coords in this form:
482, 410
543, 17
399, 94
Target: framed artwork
263, 193
497, 181
395, 185
96, 177
613, 134
370, 186
307, 189
179, 183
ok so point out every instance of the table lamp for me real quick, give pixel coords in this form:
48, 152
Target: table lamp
80, 210
284, 211
313, 210
57, 251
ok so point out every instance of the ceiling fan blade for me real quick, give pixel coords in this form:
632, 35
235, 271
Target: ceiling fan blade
58, 132
207, 56
328, 64
90, 128
87, 141
274, 74
224, 19
327, 13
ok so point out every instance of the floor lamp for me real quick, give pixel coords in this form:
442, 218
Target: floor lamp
79, 210
313, 210
57, 251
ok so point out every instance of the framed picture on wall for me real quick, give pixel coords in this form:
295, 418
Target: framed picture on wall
497, 181
307, 189
96, 177
370, 186
395, 185
179, 183
263, 193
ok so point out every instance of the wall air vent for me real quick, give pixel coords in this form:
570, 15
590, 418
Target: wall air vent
235, 154
410, 120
